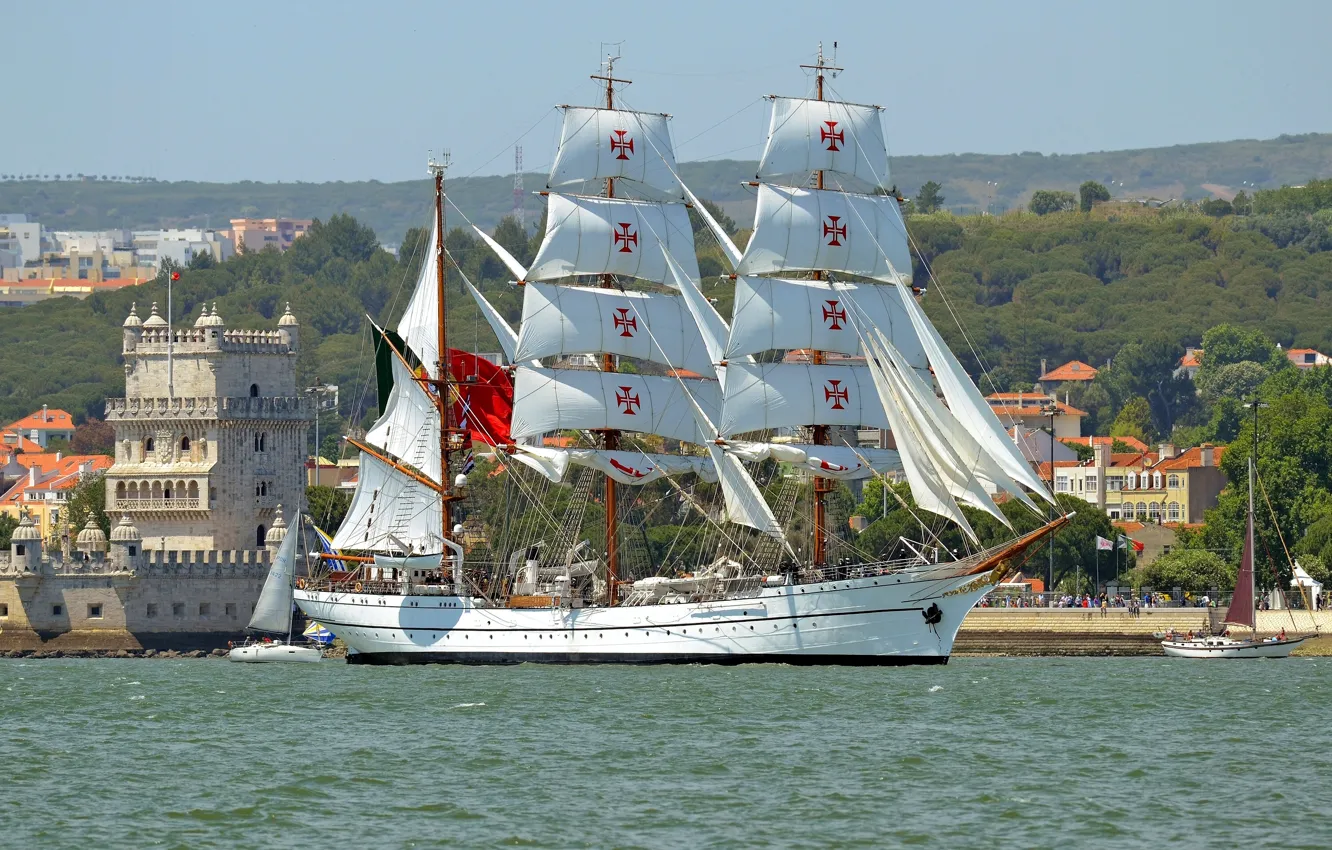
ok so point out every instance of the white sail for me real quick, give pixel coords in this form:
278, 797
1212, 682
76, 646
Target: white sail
391, 512
272, 613
408, 429
711, 326
786, 395
613, 236
587, 320
969, 406
742, 500
926, 482
805, 229
506, 335
599, 143
547, 400
805, 136
509, 260
626, 467
845, 463
772, 313
419, 325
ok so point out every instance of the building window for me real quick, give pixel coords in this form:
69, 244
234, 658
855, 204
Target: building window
178, 609
1114, 482
1092, 482
147, 445
1142, 510
259, 534
152, 609
1113, 512
203, 609
254, 390
1172, 481
57, 610
20, 549
1154, 512
133, 550
94, 612
1156, 481
1172, 511
231, 610
261, 442
1131, 481
1061, 484
4, 609
184, 444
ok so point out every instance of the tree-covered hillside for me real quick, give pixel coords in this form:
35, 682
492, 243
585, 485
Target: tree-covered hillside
968, 182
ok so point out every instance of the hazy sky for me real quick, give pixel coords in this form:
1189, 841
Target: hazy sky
284, 90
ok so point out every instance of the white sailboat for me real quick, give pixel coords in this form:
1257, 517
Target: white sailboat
1243, 611
272, 613
574, 605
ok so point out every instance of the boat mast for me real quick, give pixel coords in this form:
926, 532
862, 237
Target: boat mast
447, 496
822, 486
610, 437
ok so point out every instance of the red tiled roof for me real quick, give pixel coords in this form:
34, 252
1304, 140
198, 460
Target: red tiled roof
1043, 471
55, 420
681, 373
1014, 410
1131, 442
12, 441
1192, 459
59, 474
1190, 360
558, 442
1128, 526
1073, 370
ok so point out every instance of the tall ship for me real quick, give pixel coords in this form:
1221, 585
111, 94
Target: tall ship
620, 353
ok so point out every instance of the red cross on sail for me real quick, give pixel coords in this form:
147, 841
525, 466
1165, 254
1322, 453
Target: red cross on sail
620, 145
834, 231
832, 135
627, 239
628, 400
834, 392
834, 314
625, 322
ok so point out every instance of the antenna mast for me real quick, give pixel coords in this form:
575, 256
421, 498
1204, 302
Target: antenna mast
518, 195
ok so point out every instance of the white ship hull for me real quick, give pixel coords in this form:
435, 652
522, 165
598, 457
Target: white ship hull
863, 621
1225, 648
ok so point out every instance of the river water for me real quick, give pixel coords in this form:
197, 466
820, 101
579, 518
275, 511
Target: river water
981, 753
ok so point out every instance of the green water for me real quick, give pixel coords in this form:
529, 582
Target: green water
981, 753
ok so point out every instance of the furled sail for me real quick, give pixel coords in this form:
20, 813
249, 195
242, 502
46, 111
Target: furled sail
272, 613
554, 399
821, 135
596, 144
772, 313
968, 405
845, 463
586, 320
807, 229
613, 236
626, 467
742, 501
786, 395
408, 429
419, 323
391, 512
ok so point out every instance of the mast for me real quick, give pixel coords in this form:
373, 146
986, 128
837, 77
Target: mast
610, 437
447, 496
822, 486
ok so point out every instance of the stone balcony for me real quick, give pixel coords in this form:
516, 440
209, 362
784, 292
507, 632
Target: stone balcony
132, 505
294, 408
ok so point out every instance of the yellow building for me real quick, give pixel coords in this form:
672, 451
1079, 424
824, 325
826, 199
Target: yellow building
1161, 487
44, 491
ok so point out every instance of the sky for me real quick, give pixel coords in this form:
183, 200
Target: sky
320, 91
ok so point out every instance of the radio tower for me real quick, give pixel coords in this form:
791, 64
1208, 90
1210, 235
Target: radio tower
518, 184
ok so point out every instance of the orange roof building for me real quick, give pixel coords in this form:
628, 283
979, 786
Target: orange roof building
44, 425
1308, 358
1158, 487
1031, 411
1132, 442
44, 491
1073, 370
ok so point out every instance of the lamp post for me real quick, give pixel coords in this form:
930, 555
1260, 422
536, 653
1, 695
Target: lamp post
1050, 408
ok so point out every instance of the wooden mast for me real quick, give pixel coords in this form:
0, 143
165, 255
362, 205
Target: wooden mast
610, 437
442, 383
822, 486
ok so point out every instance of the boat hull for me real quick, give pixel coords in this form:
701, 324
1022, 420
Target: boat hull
1234, 649
865, 621
267, 653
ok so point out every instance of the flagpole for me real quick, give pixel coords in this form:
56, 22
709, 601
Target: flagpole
171, 374
1098, 568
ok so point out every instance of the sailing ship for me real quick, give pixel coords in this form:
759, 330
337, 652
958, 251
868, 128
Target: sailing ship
1243, 611
272, 613
827, 273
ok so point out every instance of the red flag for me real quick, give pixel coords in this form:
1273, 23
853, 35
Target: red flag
1137, 547
486, 406
175, 275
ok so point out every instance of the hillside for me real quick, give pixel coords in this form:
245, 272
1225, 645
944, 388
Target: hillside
1182, 171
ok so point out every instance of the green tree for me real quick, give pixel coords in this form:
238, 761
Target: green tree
1217, 208
1046, 201
1243, 204
929, 198
94, 437
1090, 194
1233, 380
1134, 420
1226, 344
328, 506
87, 498
7, 526
718, 214
1188, 569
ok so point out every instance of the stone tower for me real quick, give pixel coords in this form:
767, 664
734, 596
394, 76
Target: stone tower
210, 436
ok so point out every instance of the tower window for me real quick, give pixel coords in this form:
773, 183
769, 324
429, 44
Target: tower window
254, 390
184, 444
259, 534
148, 444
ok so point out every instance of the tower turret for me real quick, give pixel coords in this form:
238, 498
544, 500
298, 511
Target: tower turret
25, 546
289, 328
126, 545
91, 540
273, 539
133, 329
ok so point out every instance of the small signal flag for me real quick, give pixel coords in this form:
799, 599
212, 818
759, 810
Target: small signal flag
175, 275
